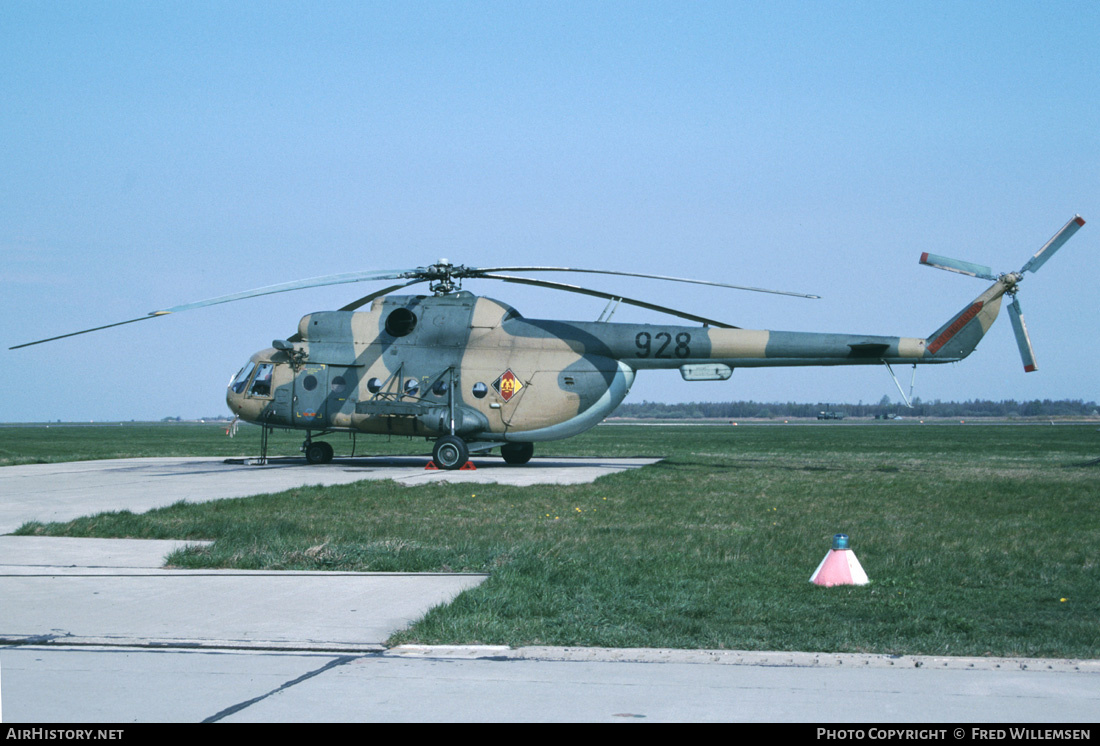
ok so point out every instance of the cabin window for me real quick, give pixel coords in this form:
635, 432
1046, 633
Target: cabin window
309, 382
238, 383
412, 387
400, 322
261, 384
374, 385
480, 390
338, 385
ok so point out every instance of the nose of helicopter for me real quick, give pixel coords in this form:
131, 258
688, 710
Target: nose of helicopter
234, 393
233, 401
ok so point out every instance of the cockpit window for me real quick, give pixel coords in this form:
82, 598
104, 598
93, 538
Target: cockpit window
238, 383
261, 384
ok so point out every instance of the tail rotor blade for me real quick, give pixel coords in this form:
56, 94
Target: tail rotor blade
1051, 246
956, 265
1023, 341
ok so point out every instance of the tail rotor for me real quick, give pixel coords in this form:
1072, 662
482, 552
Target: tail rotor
1011, 281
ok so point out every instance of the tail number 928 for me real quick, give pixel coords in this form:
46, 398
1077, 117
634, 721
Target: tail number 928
663, 345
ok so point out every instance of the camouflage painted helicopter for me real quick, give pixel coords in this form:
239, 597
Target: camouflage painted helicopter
472, 373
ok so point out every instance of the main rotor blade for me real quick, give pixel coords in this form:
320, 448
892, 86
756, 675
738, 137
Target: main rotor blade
609, 296
479, 270
285, 287
153, 315
297, 337
384, 291
957, 265
1023, 341
1055, 243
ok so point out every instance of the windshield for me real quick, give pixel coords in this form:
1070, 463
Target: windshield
239, 381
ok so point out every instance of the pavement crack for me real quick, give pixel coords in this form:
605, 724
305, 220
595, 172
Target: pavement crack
341, 661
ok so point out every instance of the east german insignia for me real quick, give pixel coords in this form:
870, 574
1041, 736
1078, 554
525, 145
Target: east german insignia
507, 385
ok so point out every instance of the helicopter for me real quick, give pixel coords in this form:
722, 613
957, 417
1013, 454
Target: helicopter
473, 374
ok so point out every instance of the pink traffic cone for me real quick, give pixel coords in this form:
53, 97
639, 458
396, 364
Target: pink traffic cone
840, 566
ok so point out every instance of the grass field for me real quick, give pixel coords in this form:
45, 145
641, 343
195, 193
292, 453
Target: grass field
979, 539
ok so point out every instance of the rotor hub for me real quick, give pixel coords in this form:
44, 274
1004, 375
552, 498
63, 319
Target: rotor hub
443, 277
1011, 281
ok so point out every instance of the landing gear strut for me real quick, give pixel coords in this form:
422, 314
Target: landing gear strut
450, 452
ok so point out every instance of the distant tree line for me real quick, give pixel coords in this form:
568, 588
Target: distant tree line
937, 408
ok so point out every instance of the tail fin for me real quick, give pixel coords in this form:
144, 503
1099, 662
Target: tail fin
960, 335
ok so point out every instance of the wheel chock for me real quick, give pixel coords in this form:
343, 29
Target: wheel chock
468, 466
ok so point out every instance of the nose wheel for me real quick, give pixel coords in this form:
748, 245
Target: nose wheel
450, 452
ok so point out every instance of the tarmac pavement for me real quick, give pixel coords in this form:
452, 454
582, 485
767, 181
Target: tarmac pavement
61, 492
120, 685
97, 630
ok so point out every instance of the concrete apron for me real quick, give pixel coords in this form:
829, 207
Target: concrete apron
115, 592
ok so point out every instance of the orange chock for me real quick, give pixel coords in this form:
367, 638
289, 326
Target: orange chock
468, 466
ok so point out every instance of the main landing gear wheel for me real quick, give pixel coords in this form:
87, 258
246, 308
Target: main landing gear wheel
450, 453
318, 452
517, 453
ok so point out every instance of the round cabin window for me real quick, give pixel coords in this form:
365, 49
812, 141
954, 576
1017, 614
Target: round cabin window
309, 382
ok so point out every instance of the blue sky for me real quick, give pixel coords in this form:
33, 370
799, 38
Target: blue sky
156, 153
